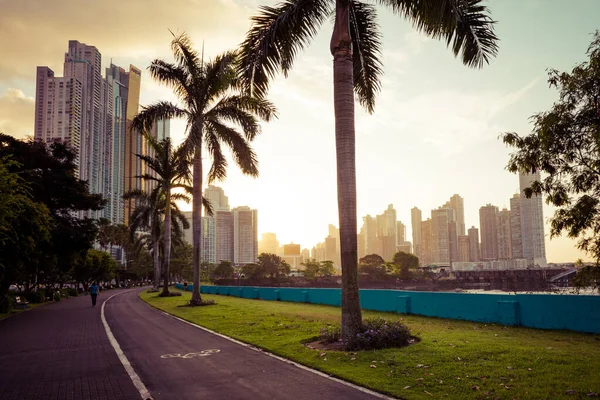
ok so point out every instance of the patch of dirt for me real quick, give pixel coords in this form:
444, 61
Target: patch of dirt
317, 345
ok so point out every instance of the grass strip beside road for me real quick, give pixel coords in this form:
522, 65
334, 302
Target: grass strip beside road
454, 360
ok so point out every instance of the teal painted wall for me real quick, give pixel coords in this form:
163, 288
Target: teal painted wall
545, 311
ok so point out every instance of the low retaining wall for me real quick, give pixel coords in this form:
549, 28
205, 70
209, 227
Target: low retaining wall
544, 311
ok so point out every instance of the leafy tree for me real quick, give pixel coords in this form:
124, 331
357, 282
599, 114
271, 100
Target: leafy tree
314, 269
95, 266
212, 107
404, 263
278, 34
50, 174
253, 271
373, 265
24, 226
565, 147
273, 265
223, 271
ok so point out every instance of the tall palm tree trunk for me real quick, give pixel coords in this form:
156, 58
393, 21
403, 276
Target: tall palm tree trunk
197, 222
167, 243
343, 95
156, 262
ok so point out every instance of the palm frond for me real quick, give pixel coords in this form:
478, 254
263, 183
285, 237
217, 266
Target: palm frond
146, 118
220, 77
218, 169
275, 37
208, 209
242, 153
185, 55
242, 110
366, 44
171, 75
465, 25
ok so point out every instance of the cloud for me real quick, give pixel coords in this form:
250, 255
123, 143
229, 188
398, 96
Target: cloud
16, 113
132, 30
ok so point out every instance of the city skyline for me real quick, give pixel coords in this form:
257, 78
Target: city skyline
434, 131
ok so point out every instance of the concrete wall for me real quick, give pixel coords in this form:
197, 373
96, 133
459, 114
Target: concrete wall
545, 311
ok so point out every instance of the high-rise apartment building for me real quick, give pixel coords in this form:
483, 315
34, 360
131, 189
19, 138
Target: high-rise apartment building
415, 223
457, 203
503, 234
515, 227
474, 255
216, 196
58, 112
245, 235
488, 216
401, 233
532, 222
133, 139
208, 250
440, 236
426, 242
93, 115
464, 251
224, 235
369, 233
268, 243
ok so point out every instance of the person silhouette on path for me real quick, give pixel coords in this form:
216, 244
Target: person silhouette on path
94, 290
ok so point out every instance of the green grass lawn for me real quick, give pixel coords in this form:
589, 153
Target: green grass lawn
453, 360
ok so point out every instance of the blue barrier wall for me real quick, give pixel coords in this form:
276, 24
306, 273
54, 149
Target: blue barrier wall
545, 311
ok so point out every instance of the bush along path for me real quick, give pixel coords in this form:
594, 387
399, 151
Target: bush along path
452, 360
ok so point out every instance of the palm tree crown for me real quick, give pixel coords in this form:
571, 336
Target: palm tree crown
217, 114
278, 33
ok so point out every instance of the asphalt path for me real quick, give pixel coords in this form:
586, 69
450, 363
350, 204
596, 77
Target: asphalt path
61, 351
176, 360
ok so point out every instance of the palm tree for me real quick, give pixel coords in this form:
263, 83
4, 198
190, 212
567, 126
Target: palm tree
212, 107
148, 216
169, 171
278, 33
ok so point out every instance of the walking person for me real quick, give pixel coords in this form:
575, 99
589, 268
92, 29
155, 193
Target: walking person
94, 290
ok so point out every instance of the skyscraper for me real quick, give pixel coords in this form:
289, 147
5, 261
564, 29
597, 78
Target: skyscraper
532, 222
415, 223
58, 111
245, 235
488, 215
464, 251
216, 196
224, 235
515, 227
458, 204
369, 232
400, 232
268, 243
83, 63
474, 244
208, 249
503, 234
426, 242
133, 139
440, 250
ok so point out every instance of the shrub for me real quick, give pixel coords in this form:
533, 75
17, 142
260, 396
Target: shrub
71, 292
57, 296
6, 304
375, 334
34, 297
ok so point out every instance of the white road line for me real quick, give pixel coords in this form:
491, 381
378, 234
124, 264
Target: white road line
137, 382
304, 367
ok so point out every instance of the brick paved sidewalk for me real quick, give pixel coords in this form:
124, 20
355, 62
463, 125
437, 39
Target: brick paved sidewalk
61, 351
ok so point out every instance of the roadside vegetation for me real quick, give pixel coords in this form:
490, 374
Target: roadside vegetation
452, 360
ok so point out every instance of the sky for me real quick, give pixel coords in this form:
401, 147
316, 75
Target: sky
435, 130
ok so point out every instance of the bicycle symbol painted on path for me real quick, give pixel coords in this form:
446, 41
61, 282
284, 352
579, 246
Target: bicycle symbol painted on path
203, 353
